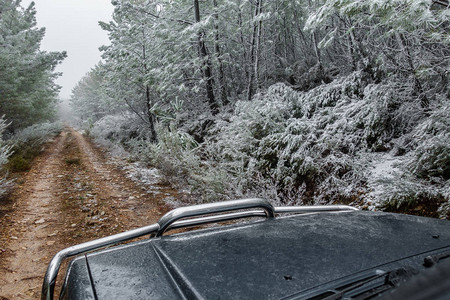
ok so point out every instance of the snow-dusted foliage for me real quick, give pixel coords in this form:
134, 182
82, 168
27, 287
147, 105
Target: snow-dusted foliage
323, 146
424, 177
120, 127
28, 92
178, 157
431, 160
116, 131
34, 136
89, 100
27, 144
5, 152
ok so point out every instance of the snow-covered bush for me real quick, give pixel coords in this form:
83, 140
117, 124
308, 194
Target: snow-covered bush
431, 141
321, 146
176, 155
27, 143
307, 143
116, 131
30, 139
265, 115
353, 140
118, 128
37, 134
407, 194
424, 179
5, 152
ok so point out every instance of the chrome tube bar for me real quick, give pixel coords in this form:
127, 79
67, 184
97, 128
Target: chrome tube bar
212, 208
312, 209
214, 219
48, 286
193, 215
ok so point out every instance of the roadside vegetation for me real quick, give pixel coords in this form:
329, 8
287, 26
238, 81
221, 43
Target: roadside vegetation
300, 102
28, 143
5, 152
28, 94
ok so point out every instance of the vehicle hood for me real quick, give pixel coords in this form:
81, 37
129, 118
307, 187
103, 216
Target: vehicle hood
268, 259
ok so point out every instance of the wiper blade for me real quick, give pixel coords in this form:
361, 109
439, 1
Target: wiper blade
368, 287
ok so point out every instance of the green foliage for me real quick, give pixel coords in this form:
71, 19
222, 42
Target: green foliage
73, 161
18, 163
28, 93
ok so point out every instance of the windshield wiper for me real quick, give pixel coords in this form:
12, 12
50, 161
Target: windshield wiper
368, 287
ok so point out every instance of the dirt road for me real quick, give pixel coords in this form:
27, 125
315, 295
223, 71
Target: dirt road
72, 194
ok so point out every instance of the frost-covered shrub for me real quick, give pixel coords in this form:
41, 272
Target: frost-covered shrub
118, 128
176, 157
28, 142
431, 140
235, 143
408, 195
265, 115
444, 209
5, 152
425, 176
432, 158
308, 143
423, 179
327, 145
318, 146
116, 131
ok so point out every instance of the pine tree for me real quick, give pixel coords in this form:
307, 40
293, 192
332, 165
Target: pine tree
28, 93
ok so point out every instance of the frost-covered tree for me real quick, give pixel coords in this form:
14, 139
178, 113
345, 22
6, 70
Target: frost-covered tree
130, 60
28, 93
5, 152
409, 38
89, 99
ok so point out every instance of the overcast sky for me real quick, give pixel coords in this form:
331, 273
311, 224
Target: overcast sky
72, 25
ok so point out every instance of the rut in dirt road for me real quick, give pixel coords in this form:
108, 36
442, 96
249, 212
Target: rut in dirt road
70, 195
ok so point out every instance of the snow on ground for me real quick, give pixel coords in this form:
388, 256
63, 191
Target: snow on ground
383, 167
136, 171
146, 176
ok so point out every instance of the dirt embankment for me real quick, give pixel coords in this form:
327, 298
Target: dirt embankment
72, 194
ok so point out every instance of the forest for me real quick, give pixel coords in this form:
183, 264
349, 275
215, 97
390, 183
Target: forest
296, 101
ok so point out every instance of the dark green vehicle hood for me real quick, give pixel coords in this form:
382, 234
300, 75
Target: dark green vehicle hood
269, 259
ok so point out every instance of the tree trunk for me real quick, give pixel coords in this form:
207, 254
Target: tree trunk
254, 64
203, 54
258, 48
315, 43
222, 84
148, 101
242, 40
150, 115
